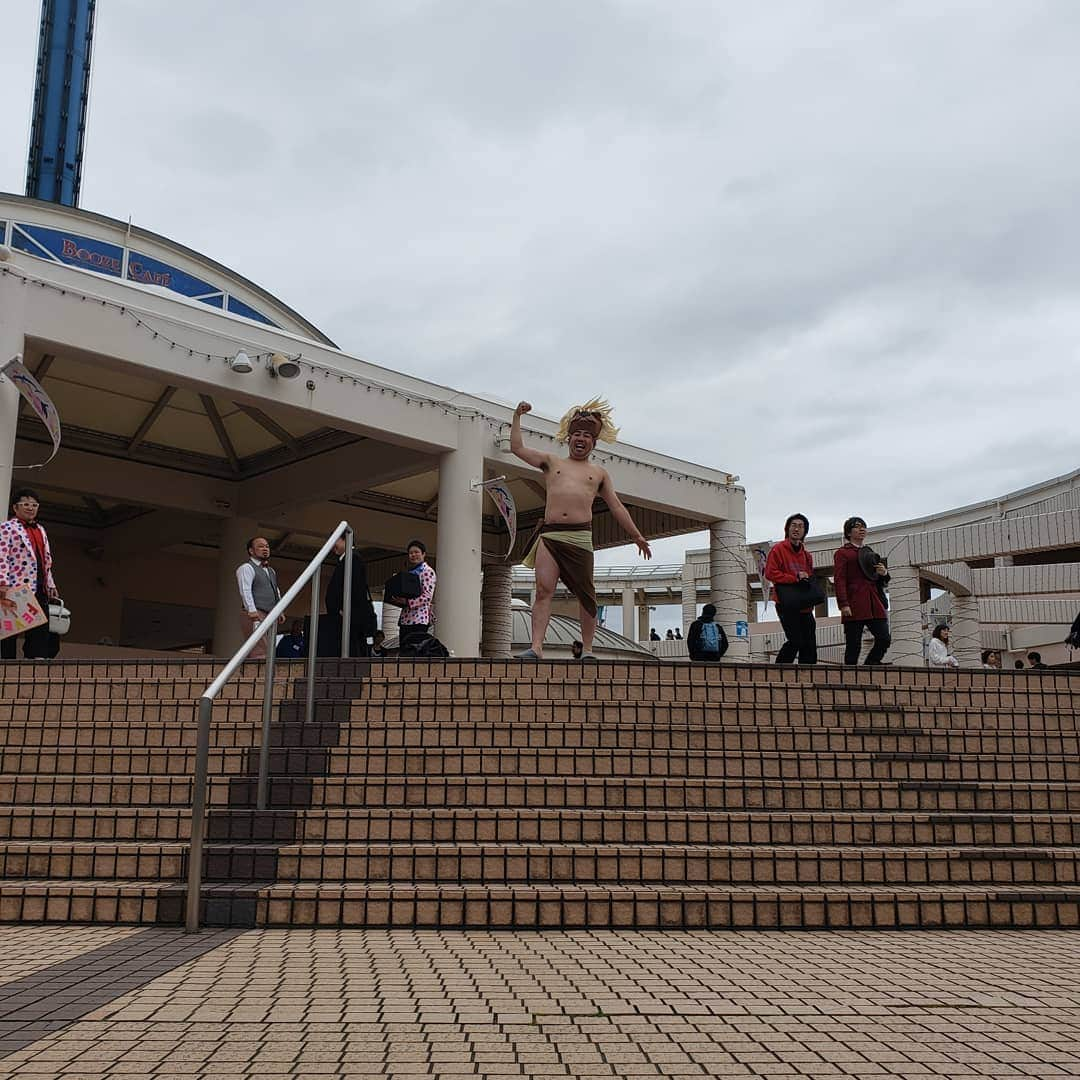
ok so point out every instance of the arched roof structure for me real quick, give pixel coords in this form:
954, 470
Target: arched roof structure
171, 455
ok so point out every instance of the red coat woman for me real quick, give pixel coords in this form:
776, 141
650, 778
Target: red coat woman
859, 596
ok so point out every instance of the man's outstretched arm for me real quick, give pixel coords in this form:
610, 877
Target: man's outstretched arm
622, 515
537, 458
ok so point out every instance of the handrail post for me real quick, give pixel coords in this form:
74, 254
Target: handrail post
267, 716
346, 610
206, 702
198, 816
313, 643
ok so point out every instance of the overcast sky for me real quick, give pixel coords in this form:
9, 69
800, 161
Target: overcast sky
833, 247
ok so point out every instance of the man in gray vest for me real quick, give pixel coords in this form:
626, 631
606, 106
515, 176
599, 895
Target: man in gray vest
259, 590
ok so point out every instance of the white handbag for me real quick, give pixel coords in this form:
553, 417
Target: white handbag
59, 617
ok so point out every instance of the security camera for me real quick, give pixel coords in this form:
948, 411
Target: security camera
5, 252
241, 363
284, 367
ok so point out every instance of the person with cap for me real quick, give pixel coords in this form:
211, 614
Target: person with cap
859, 578
939, 648
790, 568
706, 640
562, 545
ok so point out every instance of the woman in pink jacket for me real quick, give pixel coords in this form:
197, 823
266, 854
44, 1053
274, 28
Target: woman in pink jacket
26, 560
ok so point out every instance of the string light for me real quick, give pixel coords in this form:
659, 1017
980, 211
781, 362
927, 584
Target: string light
260, 356
256, 354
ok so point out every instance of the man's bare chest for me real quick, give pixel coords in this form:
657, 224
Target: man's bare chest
566, 478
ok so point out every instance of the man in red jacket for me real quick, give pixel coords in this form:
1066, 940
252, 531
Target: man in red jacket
789, 563
859, 594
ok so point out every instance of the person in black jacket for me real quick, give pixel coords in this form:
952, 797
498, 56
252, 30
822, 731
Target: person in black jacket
706, 640
1073, 640
364, 623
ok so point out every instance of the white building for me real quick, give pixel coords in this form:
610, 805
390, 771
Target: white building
1005, 573
172, 458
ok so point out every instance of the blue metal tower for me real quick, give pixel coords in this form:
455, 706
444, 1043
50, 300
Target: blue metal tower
61, 91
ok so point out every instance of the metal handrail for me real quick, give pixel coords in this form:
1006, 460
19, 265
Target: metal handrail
312, 572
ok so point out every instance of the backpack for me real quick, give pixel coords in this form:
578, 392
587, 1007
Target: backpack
425, 648
710, 637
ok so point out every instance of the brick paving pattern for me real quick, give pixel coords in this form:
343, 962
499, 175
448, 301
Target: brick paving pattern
151, 1002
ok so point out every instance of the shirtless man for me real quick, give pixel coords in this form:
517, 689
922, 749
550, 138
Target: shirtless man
562, 545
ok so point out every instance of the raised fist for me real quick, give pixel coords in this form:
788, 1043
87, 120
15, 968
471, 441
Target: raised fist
523, 407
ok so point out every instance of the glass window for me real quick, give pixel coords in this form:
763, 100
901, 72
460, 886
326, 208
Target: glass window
238, 307
64, 247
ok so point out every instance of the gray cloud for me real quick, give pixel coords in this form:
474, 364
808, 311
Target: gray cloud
831, 246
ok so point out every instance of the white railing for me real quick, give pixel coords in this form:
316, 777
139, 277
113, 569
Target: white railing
265, 630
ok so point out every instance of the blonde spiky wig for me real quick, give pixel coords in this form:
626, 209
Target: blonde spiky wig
595, 416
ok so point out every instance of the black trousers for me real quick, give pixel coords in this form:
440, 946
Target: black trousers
410, 632
801, 631
38, 643
853, 632
329, 643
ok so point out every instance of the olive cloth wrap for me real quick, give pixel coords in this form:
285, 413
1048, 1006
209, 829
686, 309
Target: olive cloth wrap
571, 548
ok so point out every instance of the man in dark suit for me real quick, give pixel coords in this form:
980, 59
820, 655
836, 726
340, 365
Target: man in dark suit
364, 624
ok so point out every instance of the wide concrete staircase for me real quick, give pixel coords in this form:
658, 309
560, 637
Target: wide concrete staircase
494, 794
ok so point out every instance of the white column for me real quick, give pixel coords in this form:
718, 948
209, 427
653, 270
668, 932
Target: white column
9, 419
496, 618
905, 610
235, 533
457, 594
727, 582
11, 344
389, 624
628, 604
964, 636
643, 614
689, 595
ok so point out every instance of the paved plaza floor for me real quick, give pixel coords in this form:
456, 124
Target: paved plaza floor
133, 1002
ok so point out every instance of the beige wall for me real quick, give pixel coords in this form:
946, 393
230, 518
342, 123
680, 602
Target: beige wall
95, 589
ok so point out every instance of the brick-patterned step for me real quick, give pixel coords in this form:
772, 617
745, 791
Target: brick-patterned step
615, 793
515, 715
518, 714
547, 864
614, 864
709, 735
77, 860
533, 762
755, 683
179, 692
825, 828
335, 905
493, 793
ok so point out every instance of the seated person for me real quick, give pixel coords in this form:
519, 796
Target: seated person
292, 645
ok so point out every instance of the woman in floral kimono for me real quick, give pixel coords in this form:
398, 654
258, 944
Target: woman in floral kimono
26, 560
